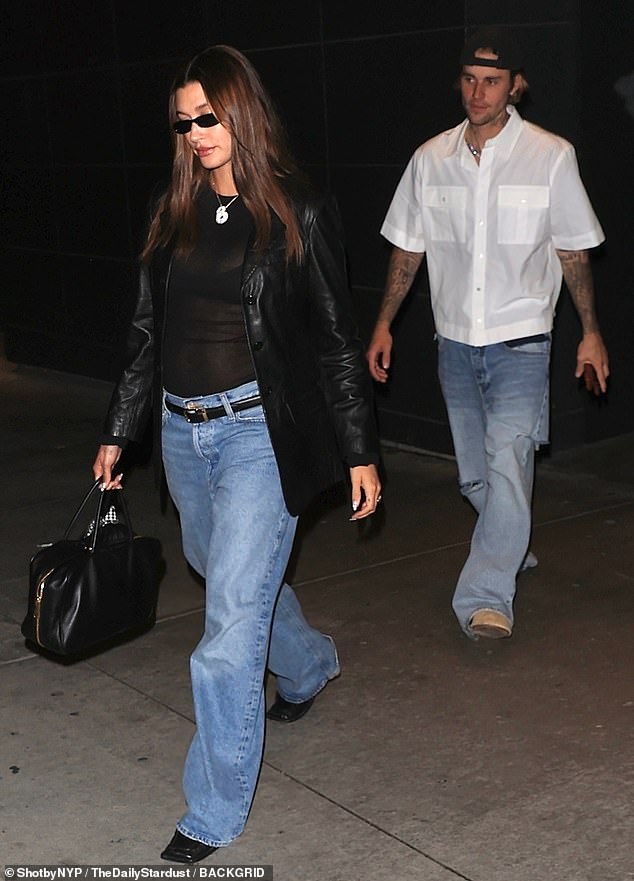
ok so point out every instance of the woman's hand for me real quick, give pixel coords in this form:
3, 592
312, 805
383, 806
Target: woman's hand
107, 457
366, 490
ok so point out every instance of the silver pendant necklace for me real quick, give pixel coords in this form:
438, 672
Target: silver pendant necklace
222, 212
473, 149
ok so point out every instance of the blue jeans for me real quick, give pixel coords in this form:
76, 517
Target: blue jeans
237, 534
497, 402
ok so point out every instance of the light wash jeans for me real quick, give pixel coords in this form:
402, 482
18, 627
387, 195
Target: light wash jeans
237, 534
497, 402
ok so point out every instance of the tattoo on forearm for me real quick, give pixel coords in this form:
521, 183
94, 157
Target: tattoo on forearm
402, 268
578, 277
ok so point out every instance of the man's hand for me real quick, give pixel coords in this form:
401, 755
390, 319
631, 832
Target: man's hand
591, 350
379, 352
401, 272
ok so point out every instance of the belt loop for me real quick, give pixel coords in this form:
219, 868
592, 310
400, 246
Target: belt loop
226, 403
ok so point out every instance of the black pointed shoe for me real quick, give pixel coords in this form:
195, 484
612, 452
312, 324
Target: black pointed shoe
284, 711
182, 849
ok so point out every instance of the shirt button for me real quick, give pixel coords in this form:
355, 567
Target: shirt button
250, 300
481, 223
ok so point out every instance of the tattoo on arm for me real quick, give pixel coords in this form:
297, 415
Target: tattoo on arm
578, 278
402, 268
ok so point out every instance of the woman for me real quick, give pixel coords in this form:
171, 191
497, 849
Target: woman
243, 335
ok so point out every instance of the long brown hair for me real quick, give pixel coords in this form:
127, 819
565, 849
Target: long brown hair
260, 158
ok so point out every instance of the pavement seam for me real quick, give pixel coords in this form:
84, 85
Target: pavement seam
366, 821
411, 556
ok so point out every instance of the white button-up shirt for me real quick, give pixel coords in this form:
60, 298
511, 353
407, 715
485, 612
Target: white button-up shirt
490, 230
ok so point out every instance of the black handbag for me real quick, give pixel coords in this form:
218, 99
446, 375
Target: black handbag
87, 590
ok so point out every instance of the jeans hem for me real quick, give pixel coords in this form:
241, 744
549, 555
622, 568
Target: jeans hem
196, 837
324, 682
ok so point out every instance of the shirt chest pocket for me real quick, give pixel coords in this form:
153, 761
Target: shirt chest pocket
444, 213
522, 214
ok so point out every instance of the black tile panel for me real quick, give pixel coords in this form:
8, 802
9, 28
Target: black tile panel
150, 31
362, 18
98, 300
553, 75
84, 118
501, 12
366, 304
75, 316
384, 97
415, 432
567, 430
249, 25
293, 78
564, 388
29, 211
77, 36
93, 213
55, 351
24, 123
364, 195
23, 28
319, 174
32, 283
145, 93
145, 184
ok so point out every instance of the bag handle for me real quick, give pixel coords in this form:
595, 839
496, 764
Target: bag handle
124, 506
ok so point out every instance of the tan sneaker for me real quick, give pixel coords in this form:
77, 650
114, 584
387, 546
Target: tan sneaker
529, 562
489, 623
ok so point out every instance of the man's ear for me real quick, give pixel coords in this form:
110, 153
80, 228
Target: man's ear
515, 85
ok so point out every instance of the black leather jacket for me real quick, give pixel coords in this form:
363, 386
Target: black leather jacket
308, 358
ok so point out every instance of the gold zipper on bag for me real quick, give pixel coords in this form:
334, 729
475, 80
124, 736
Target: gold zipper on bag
37, 609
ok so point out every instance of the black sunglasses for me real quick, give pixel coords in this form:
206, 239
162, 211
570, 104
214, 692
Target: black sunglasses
207, 120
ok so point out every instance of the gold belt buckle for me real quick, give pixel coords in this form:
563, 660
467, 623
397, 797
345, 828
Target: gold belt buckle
194, 409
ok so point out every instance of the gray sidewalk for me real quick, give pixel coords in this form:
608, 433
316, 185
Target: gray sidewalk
430, 758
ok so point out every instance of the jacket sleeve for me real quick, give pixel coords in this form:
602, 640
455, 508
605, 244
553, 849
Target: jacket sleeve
131, 398
345, 373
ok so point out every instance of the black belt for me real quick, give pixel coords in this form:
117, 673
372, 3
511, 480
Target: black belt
195, 413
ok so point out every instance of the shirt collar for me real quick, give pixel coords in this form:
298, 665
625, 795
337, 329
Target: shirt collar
502, 143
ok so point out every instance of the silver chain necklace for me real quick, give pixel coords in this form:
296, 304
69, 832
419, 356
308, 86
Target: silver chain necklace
222, 212
477, 151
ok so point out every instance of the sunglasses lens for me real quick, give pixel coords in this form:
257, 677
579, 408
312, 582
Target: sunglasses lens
207, 120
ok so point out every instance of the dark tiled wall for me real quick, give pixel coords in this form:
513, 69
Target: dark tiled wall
359, 85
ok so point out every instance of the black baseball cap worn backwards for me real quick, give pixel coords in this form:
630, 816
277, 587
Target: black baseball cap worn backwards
501, 41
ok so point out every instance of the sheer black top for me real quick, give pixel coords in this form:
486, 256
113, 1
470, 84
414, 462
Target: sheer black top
205, 348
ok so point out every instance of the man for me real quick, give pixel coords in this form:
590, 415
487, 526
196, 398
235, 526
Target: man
498, 207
